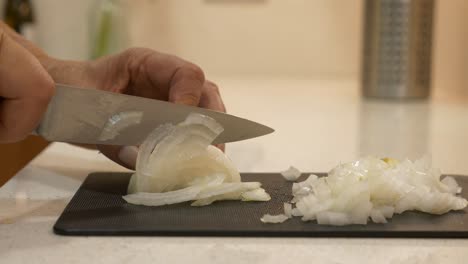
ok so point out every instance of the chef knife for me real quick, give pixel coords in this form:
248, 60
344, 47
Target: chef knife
78, 115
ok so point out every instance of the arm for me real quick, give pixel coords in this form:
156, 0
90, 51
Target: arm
61, 71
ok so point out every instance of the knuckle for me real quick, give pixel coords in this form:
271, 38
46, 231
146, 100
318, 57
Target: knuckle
194, 72
133, 54
211, 87
47, 90
136, 50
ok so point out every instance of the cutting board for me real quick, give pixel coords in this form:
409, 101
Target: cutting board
97, 209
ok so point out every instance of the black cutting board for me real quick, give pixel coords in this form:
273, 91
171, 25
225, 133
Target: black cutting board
97, 209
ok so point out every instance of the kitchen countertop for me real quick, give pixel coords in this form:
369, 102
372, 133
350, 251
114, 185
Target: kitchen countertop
318, 124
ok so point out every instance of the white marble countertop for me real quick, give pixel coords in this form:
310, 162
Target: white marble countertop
318, 124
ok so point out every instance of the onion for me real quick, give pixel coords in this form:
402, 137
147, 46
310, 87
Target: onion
119, 122
172, 156
304, 187
376, 189
333, 218
258, 194
288, 210
177, 163
291, 174
274, 219
296, 212
225, 188
157, 199
245, 191
377, 217
451, 184
177, 196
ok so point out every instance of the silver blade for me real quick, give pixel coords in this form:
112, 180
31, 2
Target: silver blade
78, 115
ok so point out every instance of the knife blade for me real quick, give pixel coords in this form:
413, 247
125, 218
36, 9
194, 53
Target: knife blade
79, 115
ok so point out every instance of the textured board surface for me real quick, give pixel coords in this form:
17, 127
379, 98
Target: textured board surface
98, 209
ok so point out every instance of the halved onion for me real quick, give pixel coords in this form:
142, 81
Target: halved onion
177, 163
172, 156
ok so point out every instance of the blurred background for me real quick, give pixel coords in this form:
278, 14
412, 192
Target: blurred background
301, 39
297, 62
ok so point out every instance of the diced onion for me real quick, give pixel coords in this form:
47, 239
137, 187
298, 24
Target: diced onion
288, 210
377, 216
291, 174
333, 218
451, 184
376, 189
296, 212
274, 219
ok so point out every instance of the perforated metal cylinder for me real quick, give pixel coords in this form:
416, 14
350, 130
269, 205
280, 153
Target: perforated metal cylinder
397, 47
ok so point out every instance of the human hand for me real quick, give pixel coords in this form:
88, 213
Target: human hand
146, 73
25, 90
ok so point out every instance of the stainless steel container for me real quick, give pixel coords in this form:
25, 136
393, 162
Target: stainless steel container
397, 48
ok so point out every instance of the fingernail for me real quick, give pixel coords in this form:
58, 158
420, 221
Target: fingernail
128, 155
187, 100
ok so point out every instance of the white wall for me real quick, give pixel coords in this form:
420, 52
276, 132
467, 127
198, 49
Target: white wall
272, 38
300, 38
451, 46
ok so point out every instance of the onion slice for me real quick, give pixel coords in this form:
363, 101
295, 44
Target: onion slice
158, 199
177, 196
291, 174
258, 194
274, 219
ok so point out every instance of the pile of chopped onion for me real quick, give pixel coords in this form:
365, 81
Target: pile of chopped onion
375, 189
177, 163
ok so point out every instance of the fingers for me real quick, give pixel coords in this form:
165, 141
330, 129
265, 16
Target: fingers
25, 91
160, 76
211, 99
186, 85
156, 75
